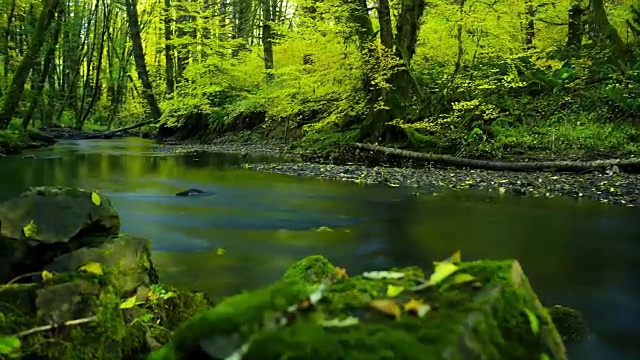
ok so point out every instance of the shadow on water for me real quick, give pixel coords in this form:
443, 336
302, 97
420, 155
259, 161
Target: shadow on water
580, 254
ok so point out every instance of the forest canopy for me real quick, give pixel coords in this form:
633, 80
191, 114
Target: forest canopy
464, 77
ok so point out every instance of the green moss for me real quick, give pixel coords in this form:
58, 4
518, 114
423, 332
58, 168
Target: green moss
569, 323
481, 320
12, 141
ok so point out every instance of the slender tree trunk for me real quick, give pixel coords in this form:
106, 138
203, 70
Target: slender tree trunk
138, 56
267, 39
530, 27
168, 48
28, 61
5, 40
49, 58
576, 27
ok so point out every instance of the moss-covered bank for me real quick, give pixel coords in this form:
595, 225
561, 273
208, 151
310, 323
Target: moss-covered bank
13, 141
463, 310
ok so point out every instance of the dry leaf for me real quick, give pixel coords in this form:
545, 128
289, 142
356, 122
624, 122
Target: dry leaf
377, 275
93, 268
340, 273
30, 230
393, 291
417, 307
129, 303
386, 306
95, 198
350, 321
46, 275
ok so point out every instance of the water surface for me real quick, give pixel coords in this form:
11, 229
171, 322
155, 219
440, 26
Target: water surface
581, 254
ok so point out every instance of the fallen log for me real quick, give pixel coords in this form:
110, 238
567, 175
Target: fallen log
629, 165
116, 131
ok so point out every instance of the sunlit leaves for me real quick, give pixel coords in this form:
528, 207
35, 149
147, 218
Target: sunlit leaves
393, 291
128, 303
46, 275
9, 345
30, 230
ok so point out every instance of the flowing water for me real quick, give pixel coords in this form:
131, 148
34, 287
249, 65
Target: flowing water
580, 254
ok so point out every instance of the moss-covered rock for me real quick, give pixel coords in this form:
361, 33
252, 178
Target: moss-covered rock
46, 222
569, 322
127, 258
15, 140
482, 310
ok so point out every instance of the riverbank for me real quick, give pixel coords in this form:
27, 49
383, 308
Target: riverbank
15, 141
367, 168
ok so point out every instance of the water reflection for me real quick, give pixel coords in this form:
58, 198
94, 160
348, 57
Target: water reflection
583, 255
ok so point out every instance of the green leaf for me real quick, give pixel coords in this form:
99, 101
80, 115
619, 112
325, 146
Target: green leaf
95, 198
534, 323
9, 344
459, 279
46, 275
170, 294
30, 230
220, 251
129, 303
93, 268
393, 291
324, 228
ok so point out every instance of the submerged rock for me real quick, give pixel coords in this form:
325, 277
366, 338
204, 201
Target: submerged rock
45, 222
465, 310
194, 192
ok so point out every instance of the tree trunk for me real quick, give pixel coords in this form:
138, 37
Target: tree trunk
601, 30
46, 68
5, 40
576, 26
138, 56
168, 48
530, 27
575, 166
267, 39
28, 61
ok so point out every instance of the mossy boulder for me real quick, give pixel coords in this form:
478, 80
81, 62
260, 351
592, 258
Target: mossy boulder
46, 222
481, 310
569, 322
127, 258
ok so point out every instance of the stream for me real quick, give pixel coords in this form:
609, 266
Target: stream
577, 253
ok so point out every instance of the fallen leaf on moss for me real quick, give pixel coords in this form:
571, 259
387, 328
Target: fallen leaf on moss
129, 303
220, 251
387, 306
378, 275
350, 321
455, 258
95, 198
393, 291
340, 273
534, 323
459, 279
93, 268
30, 230
417, 307
46, 275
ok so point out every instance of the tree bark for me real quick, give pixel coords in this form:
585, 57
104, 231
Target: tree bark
267, 39
28, 61
601, 30
575, 28
572, 166
168, 48
138, 56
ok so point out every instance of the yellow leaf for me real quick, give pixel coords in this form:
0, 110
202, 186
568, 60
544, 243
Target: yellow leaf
170, 294
129, 303
46, 275
417, 307
393, 291
30, 230
455, 258
92, 267
386, 306
501, 190
442, 271
220, 251
95, 198
533, 321
459, 279
340, 273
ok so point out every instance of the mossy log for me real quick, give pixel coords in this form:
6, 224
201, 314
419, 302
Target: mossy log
629, 165
495, 316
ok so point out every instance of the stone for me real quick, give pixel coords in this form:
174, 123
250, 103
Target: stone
570, 323
62, 219
127, 258
497, 315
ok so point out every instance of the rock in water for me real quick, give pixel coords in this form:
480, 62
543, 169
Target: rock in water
46, 222
194, 192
